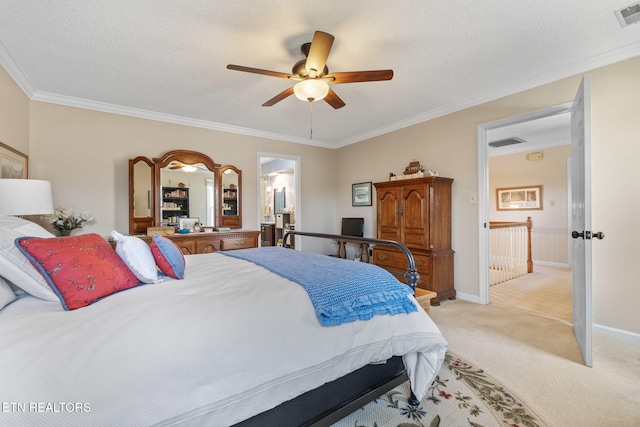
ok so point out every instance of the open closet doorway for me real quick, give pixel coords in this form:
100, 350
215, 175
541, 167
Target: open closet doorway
278, 197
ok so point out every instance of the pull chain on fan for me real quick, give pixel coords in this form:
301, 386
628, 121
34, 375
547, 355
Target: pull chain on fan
310, 120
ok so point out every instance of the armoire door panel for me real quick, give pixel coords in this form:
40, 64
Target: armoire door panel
415, 219
389, 220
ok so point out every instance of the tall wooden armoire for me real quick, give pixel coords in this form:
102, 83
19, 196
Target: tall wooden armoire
417, 213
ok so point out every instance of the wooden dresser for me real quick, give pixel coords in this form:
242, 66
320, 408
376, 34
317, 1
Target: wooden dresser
202, 243
417, 213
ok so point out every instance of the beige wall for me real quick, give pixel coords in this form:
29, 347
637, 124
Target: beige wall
549, 236
84, 153
14, 114
449, 145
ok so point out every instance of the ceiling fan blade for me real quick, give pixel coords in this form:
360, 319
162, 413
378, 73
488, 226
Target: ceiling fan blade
259, 71
334, 100
318, 53
359, 76
279, 97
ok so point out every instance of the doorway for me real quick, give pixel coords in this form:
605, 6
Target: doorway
531, 154
484, 198
278, 195
580, 110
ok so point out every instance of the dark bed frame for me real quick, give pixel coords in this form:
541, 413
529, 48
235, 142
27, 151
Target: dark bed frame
335, 400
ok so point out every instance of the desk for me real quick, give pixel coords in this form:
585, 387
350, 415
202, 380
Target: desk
362, 250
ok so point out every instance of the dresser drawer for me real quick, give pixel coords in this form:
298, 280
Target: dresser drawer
397, 260
238, 243
423, 282
389, 258
207, 246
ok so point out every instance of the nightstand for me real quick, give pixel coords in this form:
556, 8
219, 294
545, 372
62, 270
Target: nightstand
424, 297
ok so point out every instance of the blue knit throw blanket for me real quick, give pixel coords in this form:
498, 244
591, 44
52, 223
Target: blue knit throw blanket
341, 291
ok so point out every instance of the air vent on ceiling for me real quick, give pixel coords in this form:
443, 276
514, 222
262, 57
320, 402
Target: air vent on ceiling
628, 15
507, 141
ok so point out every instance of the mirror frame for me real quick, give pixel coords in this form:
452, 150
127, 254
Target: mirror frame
139, 225
190, 158
231, 221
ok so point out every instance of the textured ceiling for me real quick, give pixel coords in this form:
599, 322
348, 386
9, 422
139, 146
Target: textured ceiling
166, 59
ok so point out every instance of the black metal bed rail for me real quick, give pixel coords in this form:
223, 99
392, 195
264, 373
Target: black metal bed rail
411, 275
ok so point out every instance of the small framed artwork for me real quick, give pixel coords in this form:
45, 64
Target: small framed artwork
520, 198
13, 164
187, 223
361, 194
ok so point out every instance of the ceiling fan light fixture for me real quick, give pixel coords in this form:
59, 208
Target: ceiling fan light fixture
311, 89
189, 168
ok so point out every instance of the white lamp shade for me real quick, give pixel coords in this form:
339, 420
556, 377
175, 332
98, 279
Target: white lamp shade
311, 89
25, 197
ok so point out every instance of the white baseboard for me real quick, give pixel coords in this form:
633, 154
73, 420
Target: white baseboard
468, 297
599, 329
549, 264
617, 333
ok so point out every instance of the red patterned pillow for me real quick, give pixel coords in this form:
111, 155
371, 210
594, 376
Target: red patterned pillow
80, 269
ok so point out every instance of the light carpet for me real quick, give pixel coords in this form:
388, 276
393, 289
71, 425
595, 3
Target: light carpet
545, 292
461, 395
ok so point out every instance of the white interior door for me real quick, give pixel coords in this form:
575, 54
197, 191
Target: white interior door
581, 219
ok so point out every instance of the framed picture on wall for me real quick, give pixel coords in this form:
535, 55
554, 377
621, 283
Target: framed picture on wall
361, 194
519, 198
13, 164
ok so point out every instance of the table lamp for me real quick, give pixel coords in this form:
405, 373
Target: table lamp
25, 197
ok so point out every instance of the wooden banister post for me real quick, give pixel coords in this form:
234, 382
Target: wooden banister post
529, 223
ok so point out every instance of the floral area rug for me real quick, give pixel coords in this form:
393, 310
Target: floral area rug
461, 395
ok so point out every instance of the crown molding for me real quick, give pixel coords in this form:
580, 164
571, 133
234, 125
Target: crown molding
552, 76
581, 67
168, 118
12, 68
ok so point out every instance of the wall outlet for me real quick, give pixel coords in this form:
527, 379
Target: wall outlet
473, 198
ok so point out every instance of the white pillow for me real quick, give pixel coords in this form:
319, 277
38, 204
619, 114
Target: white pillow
138, 257
14, 266
6, 293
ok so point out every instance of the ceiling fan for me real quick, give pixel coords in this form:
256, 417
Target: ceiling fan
313, 76
185, 167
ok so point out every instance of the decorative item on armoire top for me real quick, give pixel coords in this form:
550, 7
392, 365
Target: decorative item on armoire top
414, 167
64, 221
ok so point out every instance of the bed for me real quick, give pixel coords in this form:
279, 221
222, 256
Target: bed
230, 343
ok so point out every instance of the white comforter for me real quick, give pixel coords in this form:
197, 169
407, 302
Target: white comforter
229, 341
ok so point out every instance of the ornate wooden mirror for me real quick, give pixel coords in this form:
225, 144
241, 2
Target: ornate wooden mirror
230, 212
182, 184
186, 188
141, 195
